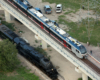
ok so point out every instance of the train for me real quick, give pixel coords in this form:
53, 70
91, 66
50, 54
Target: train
29, 52
50, 28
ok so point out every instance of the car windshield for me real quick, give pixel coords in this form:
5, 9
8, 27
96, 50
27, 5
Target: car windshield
48, 8
82, 49
58, 7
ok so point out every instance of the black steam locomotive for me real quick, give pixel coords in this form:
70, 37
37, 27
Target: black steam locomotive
29, 52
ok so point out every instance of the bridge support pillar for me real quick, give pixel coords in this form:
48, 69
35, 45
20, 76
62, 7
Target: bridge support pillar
84, 76
1, 8
7, 16
43, 44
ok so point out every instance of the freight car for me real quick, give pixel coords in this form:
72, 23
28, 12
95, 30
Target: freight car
55, 31
29, 52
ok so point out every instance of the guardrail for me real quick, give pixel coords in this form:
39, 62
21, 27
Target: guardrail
83, 67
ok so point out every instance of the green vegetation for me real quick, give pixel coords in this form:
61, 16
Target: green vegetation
8, 56
20, 31
9, 25
50, 50
10, 68
82, 79
40, 50
36, 41
20, 73
48, 46
0, 18
69, 12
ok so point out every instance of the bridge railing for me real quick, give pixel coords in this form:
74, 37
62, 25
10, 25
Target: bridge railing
83, 67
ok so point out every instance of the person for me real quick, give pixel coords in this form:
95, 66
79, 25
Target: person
0, 22
88, 43
83, 7
40, 44
91, 51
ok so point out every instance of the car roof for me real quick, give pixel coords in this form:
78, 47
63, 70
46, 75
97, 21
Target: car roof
59, 5
47, 6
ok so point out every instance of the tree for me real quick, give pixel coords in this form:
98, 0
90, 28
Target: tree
8, 56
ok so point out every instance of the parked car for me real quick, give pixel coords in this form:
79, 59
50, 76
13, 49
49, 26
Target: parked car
47, 9
38, 9
59, 8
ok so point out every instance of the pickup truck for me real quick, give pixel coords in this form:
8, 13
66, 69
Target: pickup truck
47, 9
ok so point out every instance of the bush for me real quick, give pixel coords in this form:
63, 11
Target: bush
9, 25
8, 56
36, 41
0, 18
82, 79
40, 50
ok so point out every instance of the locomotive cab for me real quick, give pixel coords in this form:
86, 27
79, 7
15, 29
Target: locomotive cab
81, 52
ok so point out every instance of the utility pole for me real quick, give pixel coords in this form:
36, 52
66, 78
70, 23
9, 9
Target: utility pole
88, 23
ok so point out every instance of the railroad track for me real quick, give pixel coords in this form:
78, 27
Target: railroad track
94, 67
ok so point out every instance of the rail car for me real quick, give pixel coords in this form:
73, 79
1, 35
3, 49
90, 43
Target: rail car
47, 25
30, 53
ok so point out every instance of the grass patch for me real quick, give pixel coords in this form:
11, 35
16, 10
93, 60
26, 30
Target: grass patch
69, 12
48, 46
21, 73
20, 32
61, 19
50, 50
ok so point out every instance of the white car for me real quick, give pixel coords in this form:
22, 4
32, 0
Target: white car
59, 8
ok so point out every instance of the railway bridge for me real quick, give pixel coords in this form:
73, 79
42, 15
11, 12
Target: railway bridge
87, 69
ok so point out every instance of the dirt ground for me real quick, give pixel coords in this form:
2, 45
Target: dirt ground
64, 67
